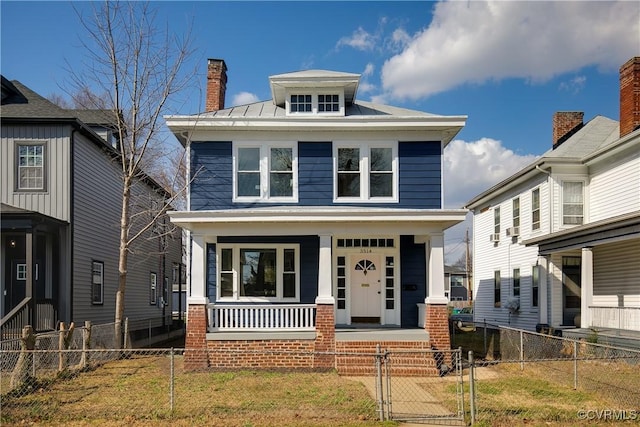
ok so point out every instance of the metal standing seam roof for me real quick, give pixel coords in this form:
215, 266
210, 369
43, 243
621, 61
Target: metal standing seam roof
267, 109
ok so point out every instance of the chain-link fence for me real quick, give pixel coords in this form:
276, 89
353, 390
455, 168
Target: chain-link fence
551, 380
540, 380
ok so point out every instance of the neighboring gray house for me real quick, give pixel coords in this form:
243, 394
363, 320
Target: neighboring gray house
557, 245
61, 195
456, 283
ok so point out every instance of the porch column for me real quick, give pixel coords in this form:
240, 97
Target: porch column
586, 288
30, 279
195, 356
324, 346
543, 275
437, 321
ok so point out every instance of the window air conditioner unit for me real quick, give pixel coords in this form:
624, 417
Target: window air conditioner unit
513, 231
495, 237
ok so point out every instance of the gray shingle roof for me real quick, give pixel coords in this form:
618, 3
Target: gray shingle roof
18, 101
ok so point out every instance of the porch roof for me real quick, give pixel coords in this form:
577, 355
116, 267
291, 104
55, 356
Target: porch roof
621, 227
296, 220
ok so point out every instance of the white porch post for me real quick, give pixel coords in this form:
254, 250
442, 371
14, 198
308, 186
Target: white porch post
198, 266
325, 286
543, 277
435, 269
586, 289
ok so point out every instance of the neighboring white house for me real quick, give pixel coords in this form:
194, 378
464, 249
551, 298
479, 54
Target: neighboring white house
558, 243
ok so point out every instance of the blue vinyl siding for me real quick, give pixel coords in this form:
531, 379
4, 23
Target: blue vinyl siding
212, 187
419, 176
412, 273
309, 255
315, 173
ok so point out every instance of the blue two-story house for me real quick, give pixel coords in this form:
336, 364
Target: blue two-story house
311, 211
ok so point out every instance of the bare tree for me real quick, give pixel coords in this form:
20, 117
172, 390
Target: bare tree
139, 67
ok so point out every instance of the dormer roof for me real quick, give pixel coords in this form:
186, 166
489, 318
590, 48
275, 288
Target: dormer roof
313, 79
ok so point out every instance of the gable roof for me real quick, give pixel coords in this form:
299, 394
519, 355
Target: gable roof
595, 135
20, 102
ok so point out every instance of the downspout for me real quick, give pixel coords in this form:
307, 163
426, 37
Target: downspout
70, 245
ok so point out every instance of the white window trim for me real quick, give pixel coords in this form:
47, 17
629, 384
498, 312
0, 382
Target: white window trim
265, 169
314, 101
45, 154
101, 264
533, 210
236, 271
365, 166
585, 209
153, 288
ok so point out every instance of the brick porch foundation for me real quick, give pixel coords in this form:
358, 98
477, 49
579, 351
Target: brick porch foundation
437, 325
195, 355
325, 338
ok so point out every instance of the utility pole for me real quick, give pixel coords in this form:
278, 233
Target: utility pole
468, 268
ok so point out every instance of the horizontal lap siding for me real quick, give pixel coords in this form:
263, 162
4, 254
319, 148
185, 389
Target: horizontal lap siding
616, 271
212, 186
420, 175
309, 256
315, 173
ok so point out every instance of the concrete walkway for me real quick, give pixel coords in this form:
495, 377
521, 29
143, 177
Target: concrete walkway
410, 399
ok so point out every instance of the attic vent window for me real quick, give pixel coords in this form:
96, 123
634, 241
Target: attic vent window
328, 103
300, 104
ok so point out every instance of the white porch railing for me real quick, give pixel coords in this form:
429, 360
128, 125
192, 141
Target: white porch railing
263, 317
627, 318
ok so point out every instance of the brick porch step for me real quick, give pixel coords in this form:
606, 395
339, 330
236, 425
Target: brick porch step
407, 358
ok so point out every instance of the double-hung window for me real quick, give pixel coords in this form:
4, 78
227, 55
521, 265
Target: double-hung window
496, 220
572, 202
265, 172
31, 167
516, 212
535, 209
97, 282
153, 288
259, 272
366, 172
535, 285
497, 284
516, 282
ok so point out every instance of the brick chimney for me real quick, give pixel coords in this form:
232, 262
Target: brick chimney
565, 124
216, 84
629, 96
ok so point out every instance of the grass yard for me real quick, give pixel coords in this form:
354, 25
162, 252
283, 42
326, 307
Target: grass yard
137, 392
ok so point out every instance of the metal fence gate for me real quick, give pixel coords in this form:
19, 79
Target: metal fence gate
421, 386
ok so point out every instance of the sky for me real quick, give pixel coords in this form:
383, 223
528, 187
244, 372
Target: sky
507, 65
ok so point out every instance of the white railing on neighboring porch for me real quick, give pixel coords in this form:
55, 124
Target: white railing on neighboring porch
627, 318
262, 317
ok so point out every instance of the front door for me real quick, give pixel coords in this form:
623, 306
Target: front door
366, 288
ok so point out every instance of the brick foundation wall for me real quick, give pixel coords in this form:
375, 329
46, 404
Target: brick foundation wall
437, 325
195, 356
261, 354
325, 337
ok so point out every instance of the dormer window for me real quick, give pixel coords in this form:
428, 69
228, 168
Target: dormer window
316, 102
300, 104
328, 103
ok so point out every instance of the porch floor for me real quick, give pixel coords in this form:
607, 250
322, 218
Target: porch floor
379, 333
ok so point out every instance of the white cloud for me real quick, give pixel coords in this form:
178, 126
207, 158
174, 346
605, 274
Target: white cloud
574, 85
244, 98
470, 168
473, 167
360, 39
368, 70
478, 41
